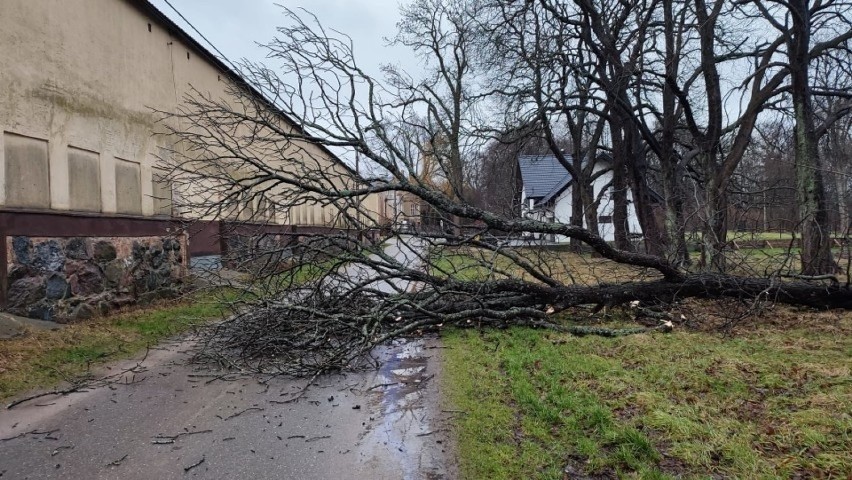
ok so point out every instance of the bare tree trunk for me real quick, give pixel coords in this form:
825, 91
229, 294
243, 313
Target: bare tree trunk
715, 229
619, 186
841, 184
592, 207
810, 187
672, 182
578, 198
655, 239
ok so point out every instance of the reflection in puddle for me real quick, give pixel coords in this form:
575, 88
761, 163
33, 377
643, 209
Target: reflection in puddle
407, 372
405, 410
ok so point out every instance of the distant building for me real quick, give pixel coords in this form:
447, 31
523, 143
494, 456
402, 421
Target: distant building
546, 194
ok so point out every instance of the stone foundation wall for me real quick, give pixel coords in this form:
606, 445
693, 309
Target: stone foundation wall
68, 279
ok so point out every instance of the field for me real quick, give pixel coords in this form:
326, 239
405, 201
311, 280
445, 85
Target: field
769, 399
733, 392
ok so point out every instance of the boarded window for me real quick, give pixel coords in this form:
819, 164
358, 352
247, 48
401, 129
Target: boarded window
27, 171
265, 209
246, 207
84, 180
605, 219
162, 193
128, 187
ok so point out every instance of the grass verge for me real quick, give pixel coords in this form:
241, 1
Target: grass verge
768, 402
42, 359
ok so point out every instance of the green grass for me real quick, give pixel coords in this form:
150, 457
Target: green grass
462, 266
734, 235
768, 403
746, 235
42, 359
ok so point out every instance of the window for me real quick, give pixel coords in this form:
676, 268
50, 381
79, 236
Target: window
27, 171
128, 187
84, 180
265, 209
163, 193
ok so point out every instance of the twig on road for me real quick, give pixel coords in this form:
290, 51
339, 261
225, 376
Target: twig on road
186, 469
116, 463
168, 439
242, 412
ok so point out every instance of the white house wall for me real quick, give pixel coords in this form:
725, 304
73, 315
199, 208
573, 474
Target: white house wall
563, 205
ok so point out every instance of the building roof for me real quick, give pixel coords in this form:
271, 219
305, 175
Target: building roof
543, 176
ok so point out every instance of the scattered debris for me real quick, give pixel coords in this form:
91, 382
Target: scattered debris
46, 433
59, 449
116, 463
242, 412
168, 439
87, 384
382, 385
186, 469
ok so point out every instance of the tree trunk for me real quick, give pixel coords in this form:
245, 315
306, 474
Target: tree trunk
810, 188
578, 199
676, 250
621, 150
655, 240
842, 187
591, 211
715, 228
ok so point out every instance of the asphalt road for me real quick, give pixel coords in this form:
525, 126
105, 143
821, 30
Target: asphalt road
175, 421
170, 419
404, 249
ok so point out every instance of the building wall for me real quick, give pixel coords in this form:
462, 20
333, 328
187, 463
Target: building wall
69, 279
605, 210
80, 82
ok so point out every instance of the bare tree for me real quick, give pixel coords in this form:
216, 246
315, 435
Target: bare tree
320, 303
810, 31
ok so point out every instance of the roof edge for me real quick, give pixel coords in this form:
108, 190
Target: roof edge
157, 15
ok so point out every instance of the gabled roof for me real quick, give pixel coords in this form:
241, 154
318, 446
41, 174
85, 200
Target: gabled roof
543, 176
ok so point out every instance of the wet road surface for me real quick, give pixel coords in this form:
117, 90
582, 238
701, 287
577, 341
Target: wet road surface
172, 420
406, 250
169, 419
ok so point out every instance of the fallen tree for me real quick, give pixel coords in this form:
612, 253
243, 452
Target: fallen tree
322, 301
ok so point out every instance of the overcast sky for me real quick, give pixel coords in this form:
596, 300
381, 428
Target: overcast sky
235, 27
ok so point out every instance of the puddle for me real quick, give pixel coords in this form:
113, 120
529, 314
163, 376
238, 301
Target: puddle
404, 409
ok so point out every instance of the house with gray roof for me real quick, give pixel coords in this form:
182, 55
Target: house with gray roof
546, 194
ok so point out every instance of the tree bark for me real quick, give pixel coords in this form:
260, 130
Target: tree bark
621, 150
810, 187
715, 228
676, 249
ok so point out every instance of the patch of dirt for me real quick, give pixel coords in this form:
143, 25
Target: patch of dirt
736, 317
575, 470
